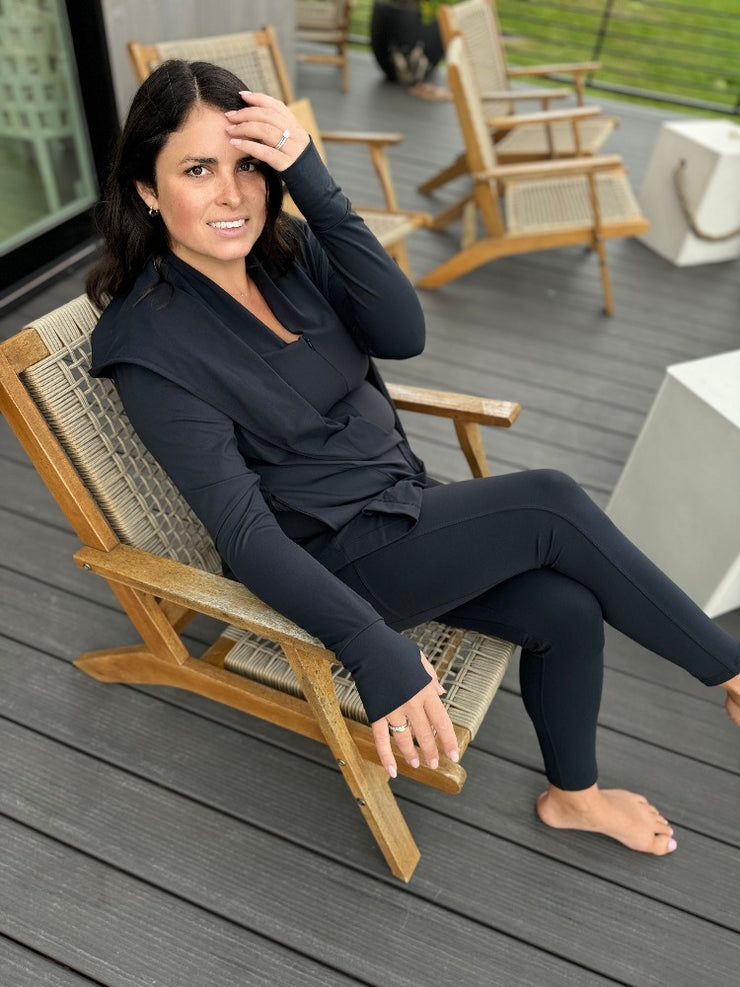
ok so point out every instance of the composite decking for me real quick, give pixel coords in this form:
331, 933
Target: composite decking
148, 837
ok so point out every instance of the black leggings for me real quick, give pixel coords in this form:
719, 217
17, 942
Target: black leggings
530, 558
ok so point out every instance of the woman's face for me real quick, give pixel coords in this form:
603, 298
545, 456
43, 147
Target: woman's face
211, 198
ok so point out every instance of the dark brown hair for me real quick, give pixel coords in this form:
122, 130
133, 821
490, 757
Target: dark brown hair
131, 237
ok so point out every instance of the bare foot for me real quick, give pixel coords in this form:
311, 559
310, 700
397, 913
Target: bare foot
732, 703
732, 706
625, 816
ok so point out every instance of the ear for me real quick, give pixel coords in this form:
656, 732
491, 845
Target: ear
148, 194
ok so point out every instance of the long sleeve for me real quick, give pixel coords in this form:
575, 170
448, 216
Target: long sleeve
196, 445
373, 297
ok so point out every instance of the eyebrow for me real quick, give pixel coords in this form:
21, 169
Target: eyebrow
197, 159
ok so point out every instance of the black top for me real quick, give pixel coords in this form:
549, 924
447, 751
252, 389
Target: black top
278, 445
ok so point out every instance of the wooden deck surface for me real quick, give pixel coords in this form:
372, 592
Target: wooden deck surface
148, 837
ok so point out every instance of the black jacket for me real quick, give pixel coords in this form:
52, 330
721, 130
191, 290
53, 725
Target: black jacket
280, 445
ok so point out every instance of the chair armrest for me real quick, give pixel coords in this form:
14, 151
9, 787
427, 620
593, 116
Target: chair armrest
576, 69
467, 414
376, 145
205, 592
552, 169
515, 71
514, 94
447, 404
360, 137
575, 113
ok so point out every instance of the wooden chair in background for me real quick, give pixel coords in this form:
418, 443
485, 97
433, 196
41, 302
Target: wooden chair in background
547, 133
533, 205
139, 534
255, 57
325, 22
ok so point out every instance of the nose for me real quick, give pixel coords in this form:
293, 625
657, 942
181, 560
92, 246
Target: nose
229, 193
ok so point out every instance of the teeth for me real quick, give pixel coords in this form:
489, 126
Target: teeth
228, 226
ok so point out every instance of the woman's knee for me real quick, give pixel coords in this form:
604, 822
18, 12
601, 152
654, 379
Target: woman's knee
554, 489
566, 618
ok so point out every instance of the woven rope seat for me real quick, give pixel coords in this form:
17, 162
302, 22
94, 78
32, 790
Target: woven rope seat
532, 141
562, 203
387, 226
469, 666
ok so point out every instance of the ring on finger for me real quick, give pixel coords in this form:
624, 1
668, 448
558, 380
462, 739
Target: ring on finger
399, 729
283, 138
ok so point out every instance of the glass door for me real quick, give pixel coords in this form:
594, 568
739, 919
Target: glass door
47, 170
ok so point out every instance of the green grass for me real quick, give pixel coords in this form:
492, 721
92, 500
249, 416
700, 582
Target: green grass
671, 47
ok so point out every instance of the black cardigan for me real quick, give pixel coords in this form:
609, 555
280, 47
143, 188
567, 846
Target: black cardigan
273, 443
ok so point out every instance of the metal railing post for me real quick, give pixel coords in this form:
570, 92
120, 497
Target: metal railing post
603, 28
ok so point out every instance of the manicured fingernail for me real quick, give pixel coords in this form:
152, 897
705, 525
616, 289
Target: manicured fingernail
454, 756
229, 113
414, 763
391, 769
672, 845
434, 763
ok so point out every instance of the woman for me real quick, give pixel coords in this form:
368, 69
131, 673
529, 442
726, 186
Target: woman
241, 342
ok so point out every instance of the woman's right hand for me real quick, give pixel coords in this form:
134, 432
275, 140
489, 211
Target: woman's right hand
425, 715
267, 130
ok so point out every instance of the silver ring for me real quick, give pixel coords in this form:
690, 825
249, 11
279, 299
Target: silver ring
285, 135
404, 726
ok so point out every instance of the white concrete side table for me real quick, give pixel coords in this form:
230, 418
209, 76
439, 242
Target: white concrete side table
711, 179
678, 497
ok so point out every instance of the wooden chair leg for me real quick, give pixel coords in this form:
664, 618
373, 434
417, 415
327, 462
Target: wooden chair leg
606, 282
344, 67
400, 254
134, 664
448, 174
461, 263
367, 782
471, 443
443, 219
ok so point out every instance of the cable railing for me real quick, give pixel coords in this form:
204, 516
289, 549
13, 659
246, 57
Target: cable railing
665, 51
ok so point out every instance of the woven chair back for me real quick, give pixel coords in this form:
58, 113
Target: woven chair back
133, 492
479, 146
321, 15
243, 54
476, 21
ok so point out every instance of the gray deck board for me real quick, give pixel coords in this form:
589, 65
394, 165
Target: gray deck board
151, 837
127, 825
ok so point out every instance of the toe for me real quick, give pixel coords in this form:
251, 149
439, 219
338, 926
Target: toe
663, 844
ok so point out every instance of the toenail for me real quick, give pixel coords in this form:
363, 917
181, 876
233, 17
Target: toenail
672, 845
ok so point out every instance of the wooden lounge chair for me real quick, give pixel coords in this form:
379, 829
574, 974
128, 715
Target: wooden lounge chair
255, 57
139, 534
529, 206
548, 134
325, 22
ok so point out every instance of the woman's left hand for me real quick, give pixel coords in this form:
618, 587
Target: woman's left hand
425, 727
267, 130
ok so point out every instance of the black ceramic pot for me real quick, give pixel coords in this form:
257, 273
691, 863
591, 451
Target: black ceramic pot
406, 49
